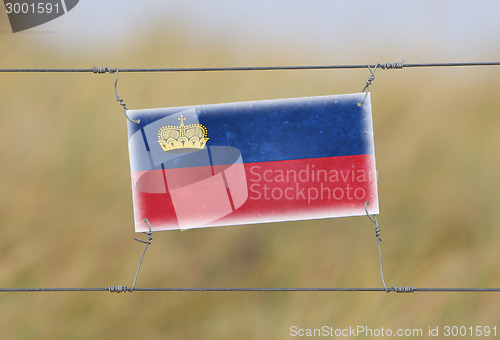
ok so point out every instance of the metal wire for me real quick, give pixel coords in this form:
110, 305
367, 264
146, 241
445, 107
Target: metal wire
379, 239
123, 289
147, 243
118, 98
377, 235
120, 289
365, 91
113, 290
250, 68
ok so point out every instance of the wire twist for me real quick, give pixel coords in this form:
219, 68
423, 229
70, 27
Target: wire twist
147, 242
371, 78
118, 289
379, 239
102, 70
404, 289
368, 83
377, 234
392, 66
374, 220
122, 289
120, 100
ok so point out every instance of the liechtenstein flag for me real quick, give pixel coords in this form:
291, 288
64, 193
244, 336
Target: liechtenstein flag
252, 162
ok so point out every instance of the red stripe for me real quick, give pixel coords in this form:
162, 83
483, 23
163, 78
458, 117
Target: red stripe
277, 191
307, 188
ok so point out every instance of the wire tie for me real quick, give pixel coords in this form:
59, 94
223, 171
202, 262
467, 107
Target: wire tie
121, 289
374, 220
371, 78
147, 243
404, 289
368, 83
148, 233
102, 70
118, 289
392, 66
377, 235
120, 100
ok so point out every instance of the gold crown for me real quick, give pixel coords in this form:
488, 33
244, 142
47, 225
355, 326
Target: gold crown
192, 136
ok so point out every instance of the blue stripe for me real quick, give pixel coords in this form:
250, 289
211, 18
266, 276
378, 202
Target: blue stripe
285, 129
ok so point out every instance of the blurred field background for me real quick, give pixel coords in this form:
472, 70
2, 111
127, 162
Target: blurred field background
66, 210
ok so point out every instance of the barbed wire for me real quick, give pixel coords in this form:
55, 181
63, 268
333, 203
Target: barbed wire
398, 65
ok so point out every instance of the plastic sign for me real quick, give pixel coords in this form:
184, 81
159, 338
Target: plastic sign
252, 162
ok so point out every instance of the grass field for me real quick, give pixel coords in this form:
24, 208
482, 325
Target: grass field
66, 210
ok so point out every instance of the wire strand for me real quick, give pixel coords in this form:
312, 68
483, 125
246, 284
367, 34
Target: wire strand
173, 289
119, 289
249, 68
